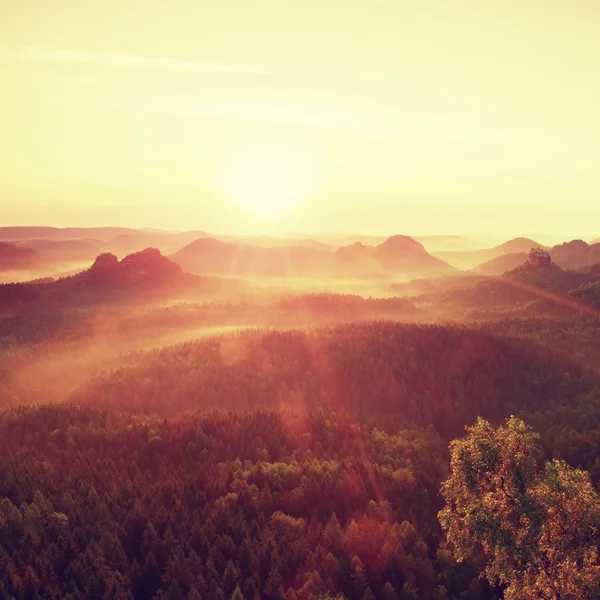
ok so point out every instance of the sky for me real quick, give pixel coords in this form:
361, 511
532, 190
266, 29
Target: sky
263, 116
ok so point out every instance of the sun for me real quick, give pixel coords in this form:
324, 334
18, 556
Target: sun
267, 181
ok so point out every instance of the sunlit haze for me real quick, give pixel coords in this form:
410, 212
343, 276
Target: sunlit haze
300, 300
247, 117
267, 180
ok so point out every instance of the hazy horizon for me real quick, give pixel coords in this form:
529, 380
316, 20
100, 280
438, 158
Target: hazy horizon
258, 118
481, 239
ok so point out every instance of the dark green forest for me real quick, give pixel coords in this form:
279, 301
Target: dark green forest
277, 464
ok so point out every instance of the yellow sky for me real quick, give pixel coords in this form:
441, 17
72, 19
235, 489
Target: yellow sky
402, 116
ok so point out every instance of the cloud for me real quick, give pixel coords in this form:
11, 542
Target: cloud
282, 112
285, 112
288, 98
128, 61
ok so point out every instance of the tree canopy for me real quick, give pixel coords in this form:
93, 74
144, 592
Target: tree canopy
536, 530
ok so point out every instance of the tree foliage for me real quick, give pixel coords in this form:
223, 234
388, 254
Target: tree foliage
536, 530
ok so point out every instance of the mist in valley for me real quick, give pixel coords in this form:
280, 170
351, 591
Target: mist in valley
299, 301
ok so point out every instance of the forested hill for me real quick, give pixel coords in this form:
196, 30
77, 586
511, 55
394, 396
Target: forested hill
539, 284
440, 375
142, 276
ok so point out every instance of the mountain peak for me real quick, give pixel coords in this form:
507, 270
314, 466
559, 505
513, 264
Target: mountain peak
401, 252
575, 254
540, 272
517, 245
105, 262
355, 251
150, 262
147, 264
205, 243
401, 243
538, 259
575, 244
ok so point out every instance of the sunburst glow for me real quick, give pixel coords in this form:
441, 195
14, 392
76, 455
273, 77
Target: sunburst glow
267, 181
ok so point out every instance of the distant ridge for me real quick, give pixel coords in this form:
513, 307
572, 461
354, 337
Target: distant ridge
13, 257
471, 260
63, 250
209, 255
398, 254
64, 233
520, 244
166, 242
118, 240
573, 255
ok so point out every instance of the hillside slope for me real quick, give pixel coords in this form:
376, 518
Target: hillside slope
470, 260
444, 376
501, 264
